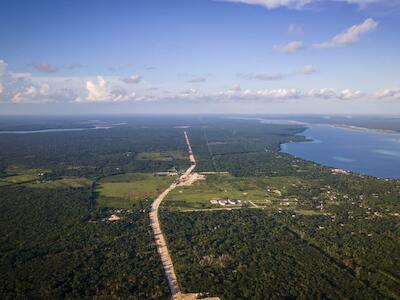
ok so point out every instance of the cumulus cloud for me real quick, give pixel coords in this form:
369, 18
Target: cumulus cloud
45, 68
389, 93
32, 93
330, 93
275, 93
235, 92
23, 88
350, 36
100, 92
132, 79
291, 47
289, 93
350, 94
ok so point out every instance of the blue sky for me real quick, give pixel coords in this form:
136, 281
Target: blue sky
279, 56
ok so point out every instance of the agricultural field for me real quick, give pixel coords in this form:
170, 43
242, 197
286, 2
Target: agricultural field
123, 191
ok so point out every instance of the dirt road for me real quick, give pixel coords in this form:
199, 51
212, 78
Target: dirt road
159, 237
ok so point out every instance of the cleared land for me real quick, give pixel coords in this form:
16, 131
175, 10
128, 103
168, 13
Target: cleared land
17, 179
122, 191
17, 175
63, 183
264, 192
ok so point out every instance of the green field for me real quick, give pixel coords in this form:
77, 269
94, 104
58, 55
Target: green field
17, 179
122, 191
162, 156
63, 183
260, 190
19, 174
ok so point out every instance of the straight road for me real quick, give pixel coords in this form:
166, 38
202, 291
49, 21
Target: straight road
159, 238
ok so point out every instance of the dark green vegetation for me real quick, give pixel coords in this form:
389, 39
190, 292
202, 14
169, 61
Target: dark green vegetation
248, 254
53, 247
315, 234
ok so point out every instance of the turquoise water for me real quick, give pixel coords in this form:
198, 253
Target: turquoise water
366, 152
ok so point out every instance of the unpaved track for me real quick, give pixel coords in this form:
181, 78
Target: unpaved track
159, 236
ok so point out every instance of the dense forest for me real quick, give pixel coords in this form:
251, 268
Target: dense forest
53, 247
247, 254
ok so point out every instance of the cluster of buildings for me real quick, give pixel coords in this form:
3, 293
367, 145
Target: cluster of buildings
225, 202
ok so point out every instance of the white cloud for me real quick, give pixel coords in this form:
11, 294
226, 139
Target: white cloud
330, 93
236, 92
325, 93
389, 93
278, 94
291, 47
23, 88
100, 92
32, 93
350, 94
132, 79
350, 36
270, 4
298, 4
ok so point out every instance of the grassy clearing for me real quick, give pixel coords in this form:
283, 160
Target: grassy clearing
162, 156
267, 191
122, 191
62, 183
17, 179
18, 174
